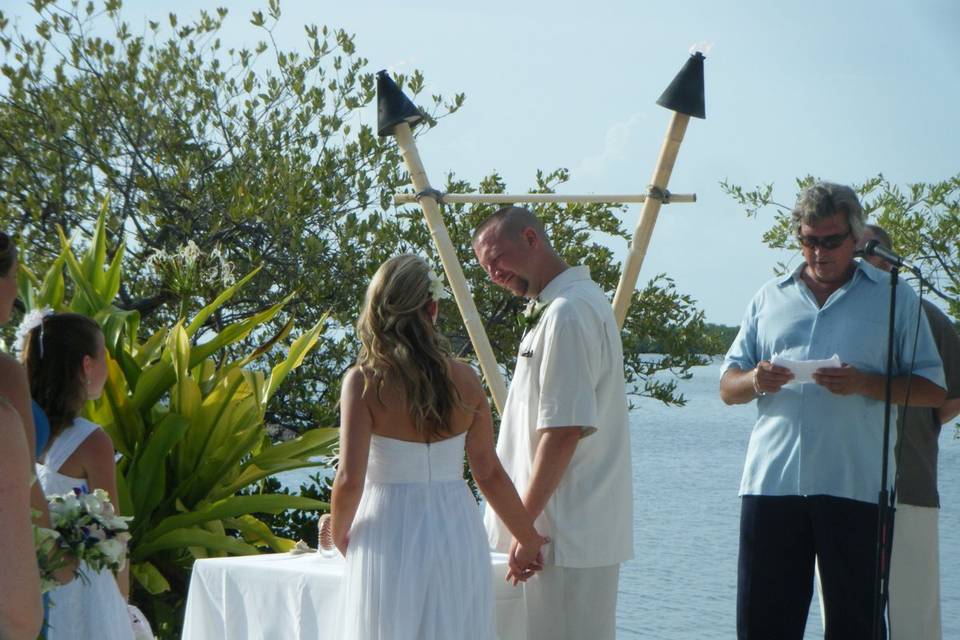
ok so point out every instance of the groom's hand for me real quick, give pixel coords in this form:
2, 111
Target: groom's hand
518, 571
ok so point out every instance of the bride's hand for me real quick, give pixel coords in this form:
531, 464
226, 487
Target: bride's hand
341, 543
525, 559
329, 538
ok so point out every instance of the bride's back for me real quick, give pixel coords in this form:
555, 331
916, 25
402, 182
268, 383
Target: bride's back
392, 415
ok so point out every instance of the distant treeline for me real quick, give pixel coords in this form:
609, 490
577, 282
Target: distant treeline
720, 337
723, 334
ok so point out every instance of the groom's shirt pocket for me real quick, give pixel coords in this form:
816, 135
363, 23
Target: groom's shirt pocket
527, 344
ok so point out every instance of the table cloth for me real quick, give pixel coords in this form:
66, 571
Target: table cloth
295, 597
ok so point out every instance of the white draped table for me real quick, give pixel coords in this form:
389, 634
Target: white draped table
295, 597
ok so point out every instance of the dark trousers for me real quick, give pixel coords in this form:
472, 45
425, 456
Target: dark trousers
780, 539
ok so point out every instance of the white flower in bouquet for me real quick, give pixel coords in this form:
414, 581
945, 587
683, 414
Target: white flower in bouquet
90, 529
114, 551
93, 504
65, 509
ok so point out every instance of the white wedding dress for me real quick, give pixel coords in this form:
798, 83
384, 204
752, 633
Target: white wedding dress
418, 564
90, 607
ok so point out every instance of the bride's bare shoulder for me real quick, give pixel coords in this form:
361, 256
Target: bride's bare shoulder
354, 383
465, 377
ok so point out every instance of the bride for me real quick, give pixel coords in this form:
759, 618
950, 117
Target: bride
417, 560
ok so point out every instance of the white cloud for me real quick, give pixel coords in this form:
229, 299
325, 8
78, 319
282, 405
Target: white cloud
615, 144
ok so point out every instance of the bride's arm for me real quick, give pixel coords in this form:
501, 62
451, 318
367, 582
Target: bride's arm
356, 425
494, 482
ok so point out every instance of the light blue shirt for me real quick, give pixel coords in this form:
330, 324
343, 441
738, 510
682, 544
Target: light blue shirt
807, 440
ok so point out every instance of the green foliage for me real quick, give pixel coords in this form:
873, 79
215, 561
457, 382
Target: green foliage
264, 155
724, 336
188, 423
254, 151
295, 524
923, 219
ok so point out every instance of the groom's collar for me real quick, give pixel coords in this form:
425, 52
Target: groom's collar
563, 280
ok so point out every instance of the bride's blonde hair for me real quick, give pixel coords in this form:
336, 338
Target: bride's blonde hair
397, 338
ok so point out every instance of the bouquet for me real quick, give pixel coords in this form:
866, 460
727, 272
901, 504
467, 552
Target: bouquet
90, 529
50, 557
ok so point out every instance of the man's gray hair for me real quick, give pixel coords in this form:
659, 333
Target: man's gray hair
826, 199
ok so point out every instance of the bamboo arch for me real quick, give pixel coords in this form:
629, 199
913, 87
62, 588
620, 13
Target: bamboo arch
397, 115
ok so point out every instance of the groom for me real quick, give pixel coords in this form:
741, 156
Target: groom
563, 434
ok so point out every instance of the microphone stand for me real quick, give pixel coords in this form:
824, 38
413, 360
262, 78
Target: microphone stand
885, 507
885, 502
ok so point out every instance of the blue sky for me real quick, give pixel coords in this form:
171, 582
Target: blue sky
841, 90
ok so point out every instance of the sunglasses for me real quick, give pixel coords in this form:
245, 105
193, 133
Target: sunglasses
824, 242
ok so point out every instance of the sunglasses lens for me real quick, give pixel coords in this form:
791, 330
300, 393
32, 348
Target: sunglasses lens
830, 243
824, 242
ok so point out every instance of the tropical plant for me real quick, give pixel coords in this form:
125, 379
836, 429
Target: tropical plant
187, 423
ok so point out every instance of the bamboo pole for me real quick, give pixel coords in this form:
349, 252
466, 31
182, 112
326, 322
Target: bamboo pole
451, 266
648, 217
505, 198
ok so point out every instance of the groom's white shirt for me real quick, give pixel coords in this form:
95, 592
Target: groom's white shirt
570, 373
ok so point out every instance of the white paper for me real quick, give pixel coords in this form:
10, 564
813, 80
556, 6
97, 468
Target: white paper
802, 370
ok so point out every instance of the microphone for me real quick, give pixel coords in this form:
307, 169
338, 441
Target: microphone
874, 248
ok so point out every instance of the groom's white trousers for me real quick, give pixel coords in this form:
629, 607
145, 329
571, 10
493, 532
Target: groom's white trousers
572, 604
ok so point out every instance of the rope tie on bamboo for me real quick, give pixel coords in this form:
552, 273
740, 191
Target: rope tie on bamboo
431, 193
663, 195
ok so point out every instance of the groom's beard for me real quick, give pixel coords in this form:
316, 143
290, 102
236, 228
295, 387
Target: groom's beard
516, 285
525, 285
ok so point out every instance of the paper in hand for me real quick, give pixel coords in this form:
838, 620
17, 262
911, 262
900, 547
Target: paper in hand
802, 370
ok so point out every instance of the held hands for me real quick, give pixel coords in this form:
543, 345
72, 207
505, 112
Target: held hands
843, 381
525, 559
769, 378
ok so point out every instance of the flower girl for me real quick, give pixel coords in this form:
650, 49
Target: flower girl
67, 365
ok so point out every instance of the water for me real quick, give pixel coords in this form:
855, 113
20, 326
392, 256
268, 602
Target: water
686, 467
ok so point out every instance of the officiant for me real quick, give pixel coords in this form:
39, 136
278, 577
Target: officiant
812, 473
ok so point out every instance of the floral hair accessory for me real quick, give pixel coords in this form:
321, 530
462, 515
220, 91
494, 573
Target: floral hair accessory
437, 291
33, 319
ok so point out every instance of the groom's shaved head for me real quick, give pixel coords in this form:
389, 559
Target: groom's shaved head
509, 222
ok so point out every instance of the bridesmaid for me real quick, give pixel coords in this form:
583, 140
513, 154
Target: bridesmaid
66, 364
